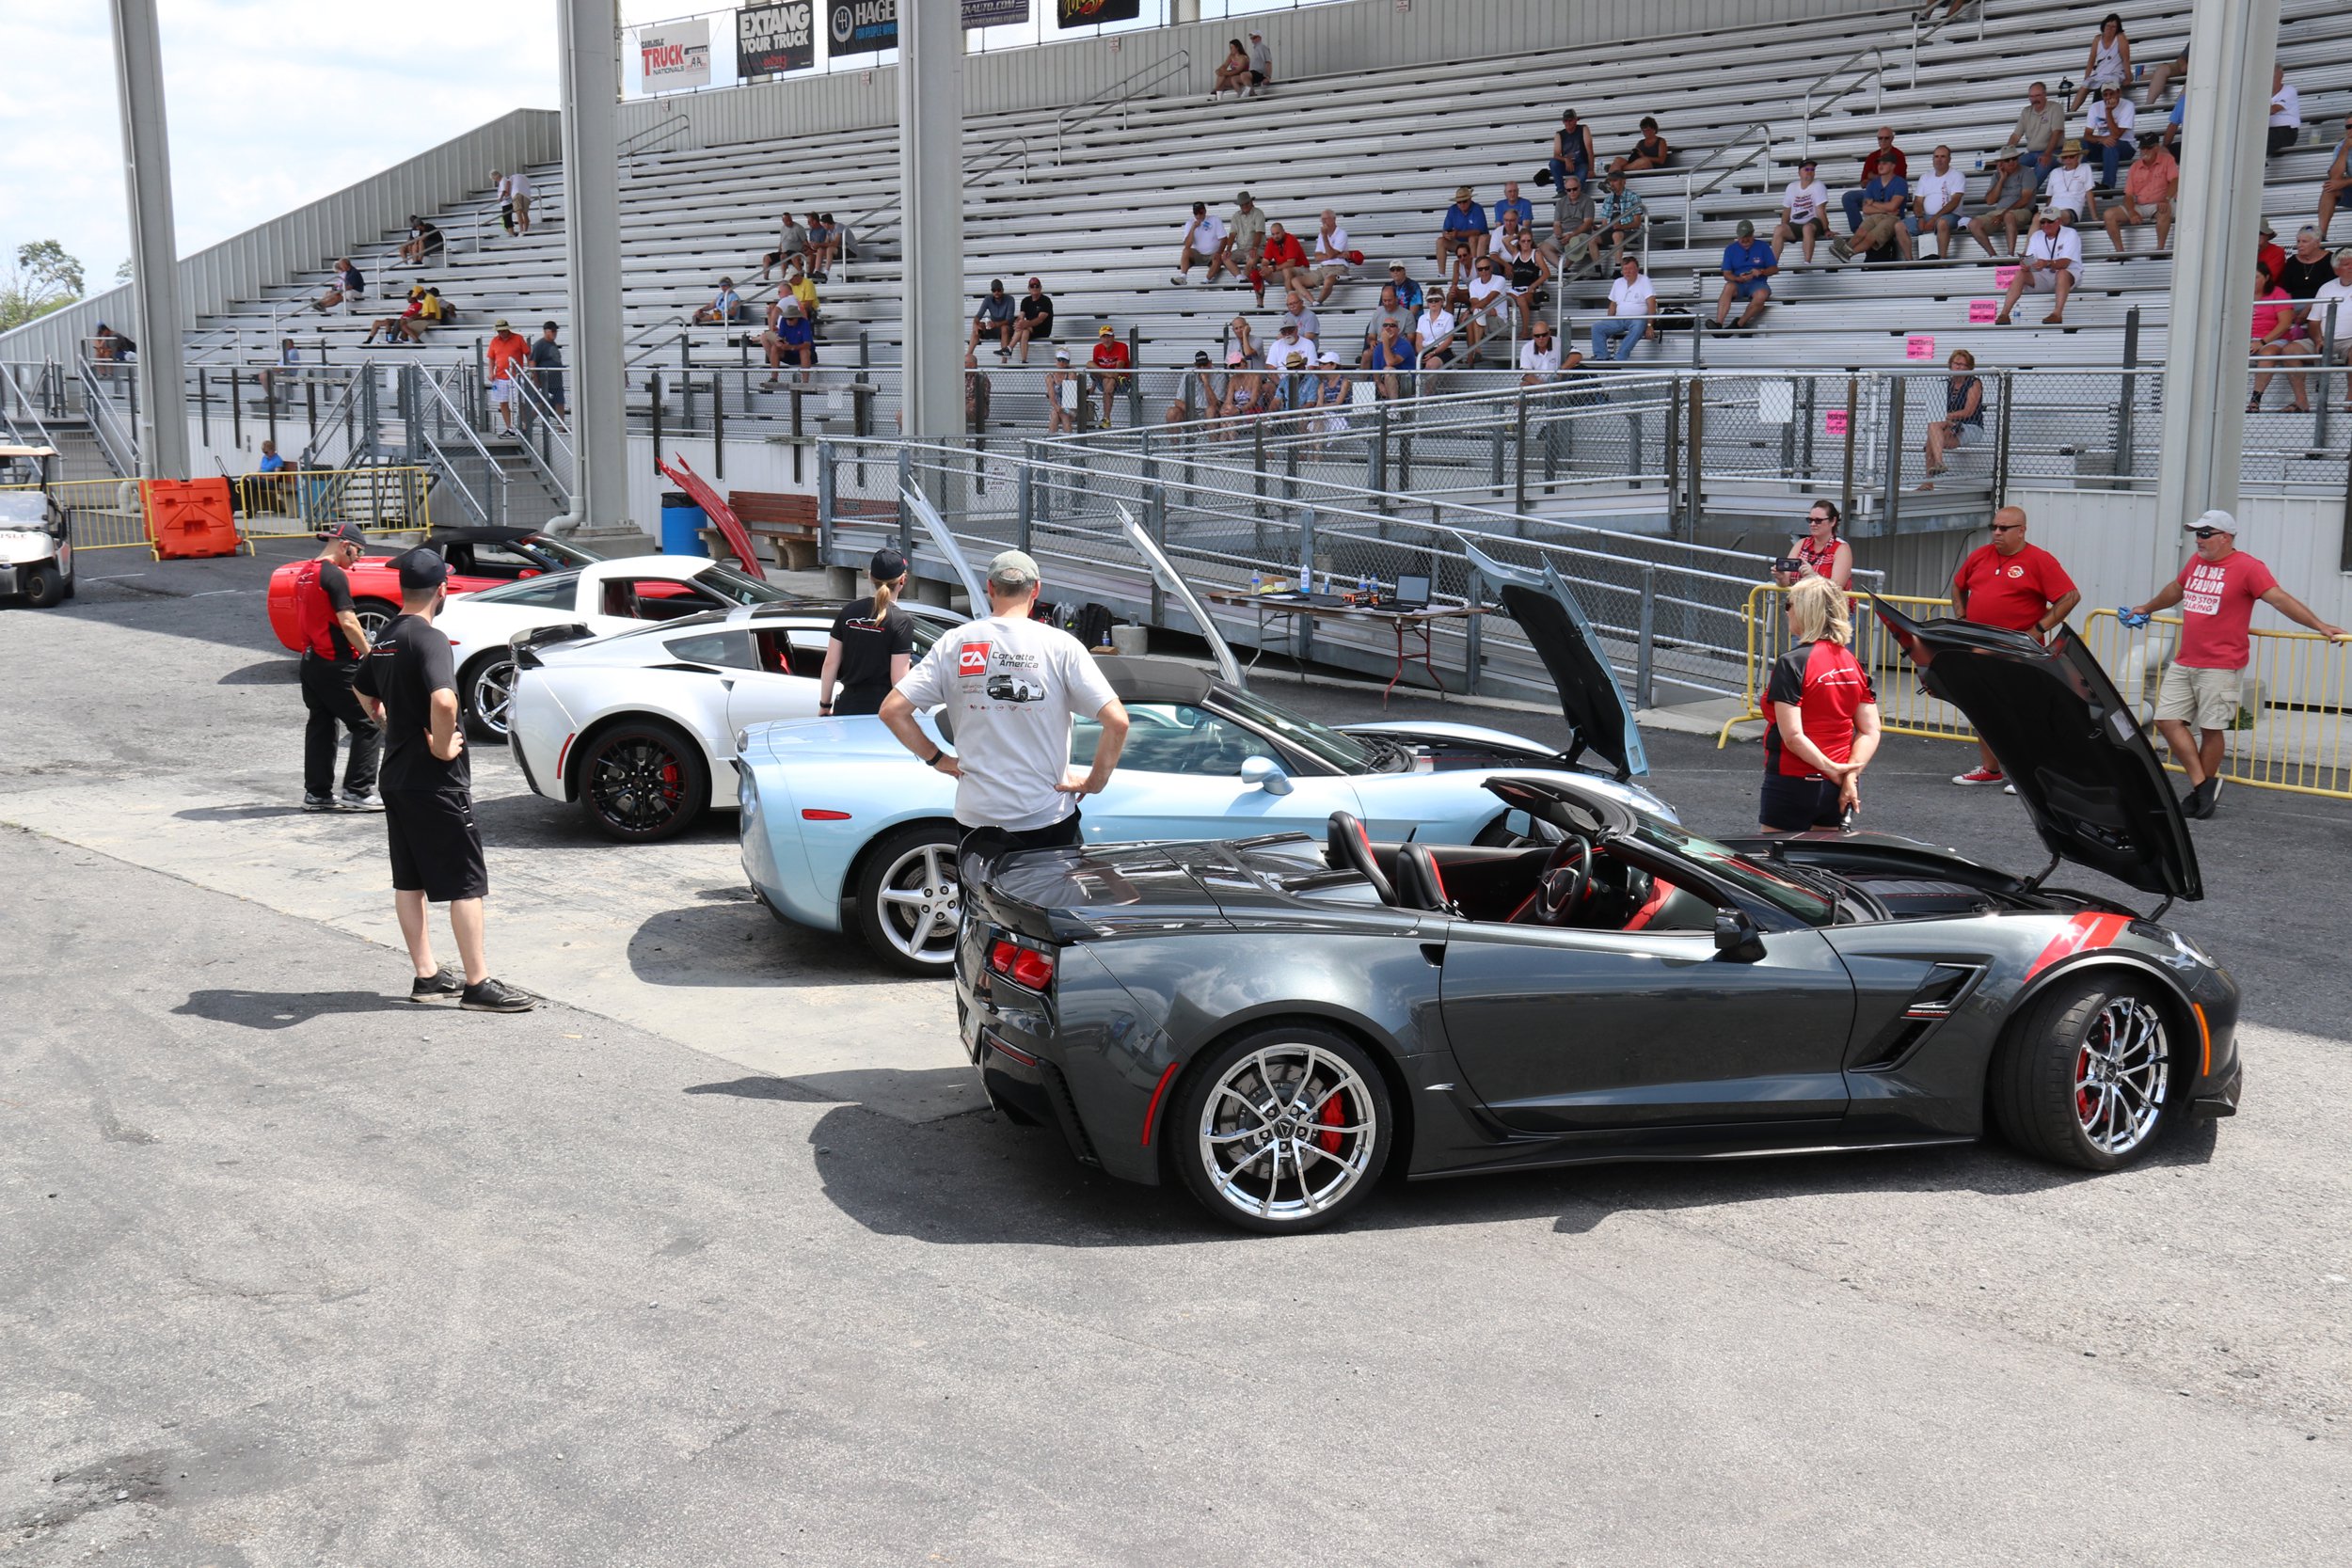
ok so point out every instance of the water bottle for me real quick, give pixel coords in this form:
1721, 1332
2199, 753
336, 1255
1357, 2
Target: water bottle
1363, 587
1257, 583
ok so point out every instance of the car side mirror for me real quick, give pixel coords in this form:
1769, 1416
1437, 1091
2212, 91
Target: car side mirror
1266, 774
1736, 935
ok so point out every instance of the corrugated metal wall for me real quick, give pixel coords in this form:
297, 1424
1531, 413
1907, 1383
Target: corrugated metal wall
1318, 41
314, 235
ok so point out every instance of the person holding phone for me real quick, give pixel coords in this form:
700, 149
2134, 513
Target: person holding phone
1823, 716
1818, 552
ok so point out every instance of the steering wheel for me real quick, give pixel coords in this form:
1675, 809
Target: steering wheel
1564, 880
1346, 841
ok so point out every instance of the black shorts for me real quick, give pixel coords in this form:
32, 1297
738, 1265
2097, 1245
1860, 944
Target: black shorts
436, 848
1794, 805
851, 701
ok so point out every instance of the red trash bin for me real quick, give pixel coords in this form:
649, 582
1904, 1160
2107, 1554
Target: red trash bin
187, 518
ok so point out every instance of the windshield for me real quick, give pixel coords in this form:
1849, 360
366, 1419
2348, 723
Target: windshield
550, 590
734, 587
569, 554
1775, 887
1327, 745
28, 507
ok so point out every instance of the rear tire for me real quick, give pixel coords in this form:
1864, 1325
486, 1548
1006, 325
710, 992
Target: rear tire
374, 616
910, 904
2082, 1079
1281, 1130
487, 688
44, 585
642, 783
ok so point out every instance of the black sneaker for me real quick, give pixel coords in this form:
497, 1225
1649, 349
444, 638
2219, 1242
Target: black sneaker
497, 997
361, 799
437, 987
2198, 802
317, 802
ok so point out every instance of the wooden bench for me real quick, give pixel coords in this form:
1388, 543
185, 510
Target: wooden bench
787, 523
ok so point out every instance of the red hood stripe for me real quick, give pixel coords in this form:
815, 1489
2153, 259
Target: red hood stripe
2081, 934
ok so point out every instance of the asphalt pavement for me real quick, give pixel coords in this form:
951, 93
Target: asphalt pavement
711, 1262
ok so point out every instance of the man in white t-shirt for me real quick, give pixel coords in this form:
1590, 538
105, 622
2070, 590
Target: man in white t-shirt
1486, 301
1631, 303
1935, 203
1011, 687
514, 190
1539, 356
1204, 245
1804, 211
2287, 111
2337, 293
1330, 255
2053, 262
2068, 189
2109, 128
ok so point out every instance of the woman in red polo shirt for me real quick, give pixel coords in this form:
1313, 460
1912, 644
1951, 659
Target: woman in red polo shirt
1824, 712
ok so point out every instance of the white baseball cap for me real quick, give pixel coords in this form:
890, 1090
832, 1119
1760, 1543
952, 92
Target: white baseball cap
2217, 520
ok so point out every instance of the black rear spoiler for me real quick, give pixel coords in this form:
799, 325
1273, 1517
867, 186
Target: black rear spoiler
526, 644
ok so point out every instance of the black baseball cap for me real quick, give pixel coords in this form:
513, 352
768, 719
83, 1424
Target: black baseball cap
342, 533
422, 567
888, 565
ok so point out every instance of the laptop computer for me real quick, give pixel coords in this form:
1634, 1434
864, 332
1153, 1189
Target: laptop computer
1412, 591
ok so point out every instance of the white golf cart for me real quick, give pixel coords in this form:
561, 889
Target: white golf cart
36, 535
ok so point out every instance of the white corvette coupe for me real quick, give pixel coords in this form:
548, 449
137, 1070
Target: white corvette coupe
639, 728
600, 598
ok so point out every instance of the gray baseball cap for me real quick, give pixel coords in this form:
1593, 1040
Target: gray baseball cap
1012, 569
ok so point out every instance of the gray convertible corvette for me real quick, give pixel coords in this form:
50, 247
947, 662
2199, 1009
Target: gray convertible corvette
1275, 1021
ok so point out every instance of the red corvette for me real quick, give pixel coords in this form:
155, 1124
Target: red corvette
477, 557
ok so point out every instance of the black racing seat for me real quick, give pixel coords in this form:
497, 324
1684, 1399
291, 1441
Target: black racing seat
1347, 846
1420, 882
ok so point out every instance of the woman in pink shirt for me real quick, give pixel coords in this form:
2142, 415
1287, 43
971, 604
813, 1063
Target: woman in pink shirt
2277, 338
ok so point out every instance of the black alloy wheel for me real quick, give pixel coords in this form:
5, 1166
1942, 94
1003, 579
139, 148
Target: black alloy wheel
487, 688
1280, 1130
642, 783
2084, 1078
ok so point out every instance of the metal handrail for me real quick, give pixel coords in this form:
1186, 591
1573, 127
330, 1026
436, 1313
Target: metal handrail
121, 446
1763, 150
637, 141
1876, 74
493, 472
1922, 29
332, 420
1116, 95
38, 435
536, 417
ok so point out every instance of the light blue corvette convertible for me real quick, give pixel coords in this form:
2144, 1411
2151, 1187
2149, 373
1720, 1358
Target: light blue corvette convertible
842, 828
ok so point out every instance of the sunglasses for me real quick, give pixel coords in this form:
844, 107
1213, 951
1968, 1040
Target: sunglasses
1817, 517
2008, 528
2207, 532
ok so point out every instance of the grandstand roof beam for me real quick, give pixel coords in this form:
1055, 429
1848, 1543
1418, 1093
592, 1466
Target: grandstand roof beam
163, 426
2233, 43
589, 36
930, 214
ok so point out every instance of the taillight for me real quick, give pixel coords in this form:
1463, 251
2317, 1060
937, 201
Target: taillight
1023, 966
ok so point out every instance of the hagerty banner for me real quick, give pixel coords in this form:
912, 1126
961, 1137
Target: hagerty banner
676, 54
770, 39
869, 26
1085, 13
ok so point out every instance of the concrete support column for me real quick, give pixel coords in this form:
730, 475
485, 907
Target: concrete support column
930, 214
2232, 45
163, 429
1181, 12
588, 33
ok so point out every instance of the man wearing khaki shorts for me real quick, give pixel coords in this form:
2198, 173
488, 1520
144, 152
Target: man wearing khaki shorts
2217, 592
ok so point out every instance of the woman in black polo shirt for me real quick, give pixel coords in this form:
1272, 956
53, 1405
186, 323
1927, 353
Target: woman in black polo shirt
872, 643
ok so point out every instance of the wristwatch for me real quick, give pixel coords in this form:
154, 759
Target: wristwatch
933, 761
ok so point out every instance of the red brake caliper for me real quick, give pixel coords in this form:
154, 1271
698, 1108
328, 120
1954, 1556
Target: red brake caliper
2083, 1104
670, 777
1333, 1115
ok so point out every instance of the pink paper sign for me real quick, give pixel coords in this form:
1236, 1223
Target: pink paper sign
1983, 309
1919, 346
2004, 277
1834, 422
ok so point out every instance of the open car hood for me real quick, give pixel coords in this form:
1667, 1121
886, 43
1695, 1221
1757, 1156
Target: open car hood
1595, 705
2067, 740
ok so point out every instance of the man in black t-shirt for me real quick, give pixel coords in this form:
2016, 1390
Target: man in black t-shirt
1036, 318
333, 643
872, 643
410, 685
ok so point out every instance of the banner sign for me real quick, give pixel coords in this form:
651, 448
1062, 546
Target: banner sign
862, 26
676, 54
994, 13
770, 39
1085, 13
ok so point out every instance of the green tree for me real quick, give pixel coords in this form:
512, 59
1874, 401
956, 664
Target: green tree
42, 278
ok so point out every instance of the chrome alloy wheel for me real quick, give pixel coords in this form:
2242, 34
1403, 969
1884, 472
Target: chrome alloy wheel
493, 689
1287, 1132
2121, 1073
922, 903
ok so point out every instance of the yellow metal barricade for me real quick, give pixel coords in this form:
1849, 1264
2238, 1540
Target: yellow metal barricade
295, 503
1905, 708
106, 513
2295, 701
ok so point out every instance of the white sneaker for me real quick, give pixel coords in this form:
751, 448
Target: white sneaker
2008, 789
1180, 279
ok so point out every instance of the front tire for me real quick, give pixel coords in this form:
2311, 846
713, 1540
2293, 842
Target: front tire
2082, 1080
643, 783
487, 689
1281, 1130
44, 586
910, 904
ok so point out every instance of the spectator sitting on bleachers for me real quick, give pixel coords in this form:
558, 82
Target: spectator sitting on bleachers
1748, 266
2287, 111
2008, 202
1804, 211
1295, 381
976, 392
1462, 236
1111, 362
348, 285
438, 311
993, 319
1036, 320
406, 327
1651, 151
2277, 339
2109, 62
1485, 304
2336, 296
2337, 180
2163, 76
1883, 161
1408, 294
1203, 244
1573, 223
726, 307
1232, 72
1619, 213
424, 239
1433, 334
1936, 204
1260, 63
271, 463
2110, 132
1289, 343
1964, 412
1332, 394
1391, 357
1524, 269
2041, 126
1512, 204
1633, 312
1330, 256
1879, 219
1238, 334
790, 335
828, 241
2069, 186
1508, 231
1572, 155
1062, 396
288, 360
2309, 269
1296, 312
1245, 239
2149, 192
2266, 251
1285, 262
1392, 309
1208, 387
2053, 262
1251, 392
791, 247
1539, 356
795, 283
2173, 125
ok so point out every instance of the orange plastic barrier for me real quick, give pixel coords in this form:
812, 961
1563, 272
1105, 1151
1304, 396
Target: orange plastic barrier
193, 517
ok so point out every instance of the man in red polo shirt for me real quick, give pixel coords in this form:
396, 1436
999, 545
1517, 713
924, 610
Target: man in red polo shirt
2215, 591
2015, 585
